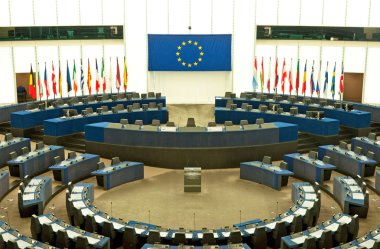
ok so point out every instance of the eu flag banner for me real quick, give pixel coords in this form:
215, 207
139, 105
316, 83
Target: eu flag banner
189, 52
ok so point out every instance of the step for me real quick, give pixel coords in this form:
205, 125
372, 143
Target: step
306, 150
306, 140
303, 146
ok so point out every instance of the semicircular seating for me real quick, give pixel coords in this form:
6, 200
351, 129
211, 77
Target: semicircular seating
256, 233
369, 240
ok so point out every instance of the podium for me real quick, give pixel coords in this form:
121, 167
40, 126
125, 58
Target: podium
192, 179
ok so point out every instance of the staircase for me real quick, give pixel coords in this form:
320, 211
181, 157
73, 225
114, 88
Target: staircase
5, 127
375, 128
345, 134
75, 142
306, 143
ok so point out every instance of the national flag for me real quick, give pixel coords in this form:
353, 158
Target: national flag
104, 77
75, 78
89, 78
312, 86
97, 85
118, 80
59, 79
298, 76
276, 75
53, 79
333, 81
46, 83
341, 81
110, 76
81, 76
255, 84
291, 77
32, 83
68, 78
317, 90
283, 77
40, 89
125, 75
262, 74
326, 80
304, 79
269, 74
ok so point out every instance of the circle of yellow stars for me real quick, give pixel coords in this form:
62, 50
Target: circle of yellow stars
189, 43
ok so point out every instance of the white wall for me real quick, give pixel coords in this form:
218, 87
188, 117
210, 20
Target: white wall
142, 17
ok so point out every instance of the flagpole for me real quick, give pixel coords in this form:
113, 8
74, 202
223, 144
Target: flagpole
53, 82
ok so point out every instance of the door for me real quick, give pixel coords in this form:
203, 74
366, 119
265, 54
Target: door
353, 87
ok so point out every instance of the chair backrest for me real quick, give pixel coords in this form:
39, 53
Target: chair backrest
179, 238
343, 145
160, 106
323, 102
135, 106
57, 159
371, 155
293, 110
267, 159
8, 137
156, 122
129, 238
244, 106
208, 239
108, 230
229, 103
372, 136
139, 122
249, 107
101, 165
170, 124
120, 107
13, 155
358, 150
115, 160
90, 224
326, 159
326, 240
152, 105
35, 227
284, 165
228, 123
25, 150
263, 108
211, 124
153, 237
89, 110
190, 122
62, 240
227, 94
144, 95
259, 238
243, 95
244, 122
122, 95
47, 234
151, 95
353, 227
82, 243
313, 154
158, 95
71, 154
114, 109
145, 107
104, 108
12, 244
235, 237
124, 121
260, 121
309, 243
296, 225
39, 145
340, 236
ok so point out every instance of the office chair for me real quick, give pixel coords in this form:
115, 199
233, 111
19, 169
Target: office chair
235, 237
372, 136
249, 108
353, 228
227, 94
170, 124
259, 122
158, 95
296, 225
21, 187
326, 240
310, 243
229, 103
139, 122
326, 159
243, 95
62, 240
278, 232
109, 231
293, 111
129, 238
358, 150
259, 238
39, 145
101, 165
152, 105
160, 106
208, 239
151, 95
244, 106
371, 155
82, 243
71, 154
267, 160
13, 155
2, 243
78, 217
144, 95
243, 122
120, 107
145, 107
156, 122
136, 106
21, 94
190, 122
341, 234
48, 235
25, 150
124, 121
104, 108
263, 108
308, 219
115, 160
8, 137
154, 237
228, 123
179, 238
211, 124
12, 244
35, 227
343, 145
313, 155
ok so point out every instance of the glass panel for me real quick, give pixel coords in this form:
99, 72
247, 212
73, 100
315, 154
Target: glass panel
7, 93
47, 54
113, 12
371, 93
266, 12
311, 12
70, 54
91, 12
289, 12
68, 12
354, 59
45, 12
334, 13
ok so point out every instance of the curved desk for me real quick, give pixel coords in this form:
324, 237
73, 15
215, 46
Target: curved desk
325, 127
369, 240
190, 146
4, 183
162, 246
55, 129
302, 213
367, 145
13, 237
15, 144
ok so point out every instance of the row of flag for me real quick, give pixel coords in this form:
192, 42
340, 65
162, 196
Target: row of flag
287, 75
101, 81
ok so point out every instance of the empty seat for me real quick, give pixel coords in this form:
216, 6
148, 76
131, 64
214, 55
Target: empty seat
158, 95
156, 122
145, 107
313, 155
309, 243
136, 106
227, 94
190, 122
284, 165
71, 154
296, 225
228, 123
129, 238
208, 239
358, 150
263, 108
12, 244
139, 122
267, 159
243, 95
211, 124
179, 238
372, 136
170, 124
48, 235
153, 237
278, 232
3, 245
244, 106
89, 110
235, 237
144, 95
104, 108
101, 165
244, 122
82, 243
115, 160
326, 159
259, 238
326, 240
120, 107
343, 145
39, 145
229, 103
260, 121
151, 95
35, 227
293, 110
90, 224
124, 121
109, 231
341, 234
62, 240
152, 105
353, 228
8, 137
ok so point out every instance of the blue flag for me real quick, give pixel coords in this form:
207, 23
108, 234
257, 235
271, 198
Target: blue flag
326, 79
68, 78
189, 52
